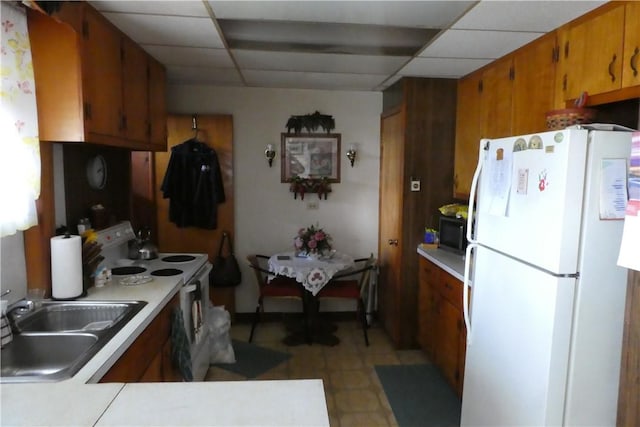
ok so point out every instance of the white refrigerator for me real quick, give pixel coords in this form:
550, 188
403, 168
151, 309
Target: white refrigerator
545, 316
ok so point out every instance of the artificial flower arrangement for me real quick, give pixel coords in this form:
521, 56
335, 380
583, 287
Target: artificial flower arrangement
312, 241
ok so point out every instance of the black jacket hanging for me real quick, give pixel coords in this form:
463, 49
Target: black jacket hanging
193, 185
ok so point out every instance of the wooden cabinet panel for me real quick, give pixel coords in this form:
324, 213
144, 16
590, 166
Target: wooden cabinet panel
143, 360
428, 277
451, 289
508, 97
631, 57
448, 342
468, 133
533, 85
495, 118
629, 389
595, 53
442, 335
135, 92
101, 74
157, 106
92, 82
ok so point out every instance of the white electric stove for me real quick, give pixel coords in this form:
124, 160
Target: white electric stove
191, 268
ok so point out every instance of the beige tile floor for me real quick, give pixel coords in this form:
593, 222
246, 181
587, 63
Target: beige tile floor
353, 392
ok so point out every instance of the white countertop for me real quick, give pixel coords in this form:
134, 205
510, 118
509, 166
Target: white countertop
221, 403
77, 402
450, 262
156, 293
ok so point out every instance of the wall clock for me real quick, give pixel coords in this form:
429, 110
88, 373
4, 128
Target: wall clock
97, 172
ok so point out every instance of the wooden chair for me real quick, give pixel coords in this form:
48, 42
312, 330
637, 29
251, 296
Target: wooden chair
354, 285
277, 287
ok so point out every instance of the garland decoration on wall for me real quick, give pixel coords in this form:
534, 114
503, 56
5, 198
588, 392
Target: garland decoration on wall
300, 186
311, 122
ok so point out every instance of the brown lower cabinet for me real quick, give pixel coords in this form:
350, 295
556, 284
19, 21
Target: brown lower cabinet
441, 331
148, 359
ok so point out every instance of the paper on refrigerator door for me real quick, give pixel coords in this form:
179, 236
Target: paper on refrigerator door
499, 174
613, 188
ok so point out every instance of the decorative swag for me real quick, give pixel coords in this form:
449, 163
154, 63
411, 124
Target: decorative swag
19, 143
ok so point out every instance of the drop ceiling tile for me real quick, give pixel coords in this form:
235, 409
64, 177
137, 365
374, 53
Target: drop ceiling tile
197, 75
390, 81
177, 8
477, 44
420, 14
334, 81
324, 37
537, 16
442, 67
167, 30
190, 56
324, 63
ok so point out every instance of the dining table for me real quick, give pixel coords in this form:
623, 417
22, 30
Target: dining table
312, 273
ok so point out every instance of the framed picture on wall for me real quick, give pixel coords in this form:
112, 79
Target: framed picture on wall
314, 155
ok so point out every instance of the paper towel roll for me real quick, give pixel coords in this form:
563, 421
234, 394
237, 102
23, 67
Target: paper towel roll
66, 267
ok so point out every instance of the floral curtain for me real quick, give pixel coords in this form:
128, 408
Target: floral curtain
19, 143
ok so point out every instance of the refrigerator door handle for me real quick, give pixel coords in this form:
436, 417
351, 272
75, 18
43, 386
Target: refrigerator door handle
465, 290
484, 146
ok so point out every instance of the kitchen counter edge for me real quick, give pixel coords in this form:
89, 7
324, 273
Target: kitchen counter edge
450, 262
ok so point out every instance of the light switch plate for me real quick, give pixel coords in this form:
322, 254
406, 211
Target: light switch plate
415, 185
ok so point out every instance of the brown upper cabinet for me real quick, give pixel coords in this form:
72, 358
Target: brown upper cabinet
93, 83
599, 52
468, 133
593, 54
631, 56
509, 96
157, 96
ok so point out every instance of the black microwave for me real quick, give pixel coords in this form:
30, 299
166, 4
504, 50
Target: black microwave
453, 234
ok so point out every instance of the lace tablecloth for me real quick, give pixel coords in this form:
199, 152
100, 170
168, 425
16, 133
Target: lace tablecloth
312, 273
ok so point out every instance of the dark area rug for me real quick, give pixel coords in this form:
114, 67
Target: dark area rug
252, 360
419, 395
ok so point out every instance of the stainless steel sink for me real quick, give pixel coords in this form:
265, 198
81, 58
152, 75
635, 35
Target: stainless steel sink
78, 316
57, 339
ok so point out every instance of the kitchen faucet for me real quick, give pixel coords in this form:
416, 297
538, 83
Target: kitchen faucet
17, 310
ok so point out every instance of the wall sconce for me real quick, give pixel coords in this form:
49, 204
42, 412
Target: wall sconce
351, 154
270, 153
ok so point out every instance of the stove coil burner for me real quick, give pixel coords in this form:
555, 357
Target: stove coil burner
131, 269
178, 258
166, 272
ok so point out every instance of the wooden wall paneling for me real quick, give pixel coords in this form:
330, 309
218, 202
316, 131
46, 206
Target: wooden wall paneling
37, 239
143, 194
217, 132
629, 394
426, 132
80, 196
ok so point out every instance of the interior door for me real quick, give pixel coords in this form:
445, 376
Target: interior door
217, 132
390, 213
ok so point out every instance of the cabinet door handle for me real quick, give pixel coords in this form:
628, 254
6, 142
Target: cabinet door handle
393, 242
611, 73
564, 83
634, 62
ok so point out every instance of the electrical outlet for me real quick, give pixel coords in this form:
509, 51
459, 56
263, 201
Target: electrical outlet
415, 185
312, 205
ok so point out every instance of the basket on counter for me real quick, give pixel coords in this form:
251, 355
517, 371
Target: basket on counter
560, 119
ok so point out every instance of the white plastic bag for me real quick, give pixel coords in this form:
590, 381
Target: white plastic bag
219, 323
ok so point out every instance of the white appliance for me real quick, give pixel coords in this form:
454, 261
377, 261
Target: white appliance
192, 269
544, 329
